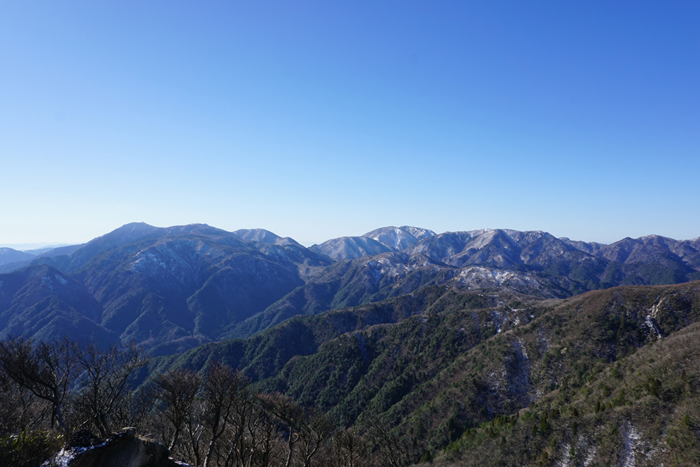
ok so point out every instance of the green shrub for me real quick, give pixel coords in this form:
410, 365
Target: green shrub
29, 449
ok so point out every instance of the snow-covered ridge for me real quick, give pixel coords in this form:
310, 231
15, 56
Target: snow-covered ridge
399, 238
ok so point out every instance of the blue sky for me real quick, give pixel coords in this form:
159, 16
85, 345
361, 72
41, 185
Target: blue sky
328, 118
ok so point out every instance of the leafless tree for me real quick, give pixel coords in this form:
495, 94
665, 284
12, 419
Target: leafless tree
136, 408
262, 444
349, 449
289, 413
176, 390
20, 410
393, 450
45, 369
225, 397
195, 435
104, 380
314, 431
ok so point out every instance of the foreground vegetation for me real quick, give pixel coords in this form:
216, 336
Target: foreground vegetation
52, 392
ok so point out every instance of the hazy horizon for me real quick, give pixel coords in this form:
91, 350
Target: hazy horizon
36, 246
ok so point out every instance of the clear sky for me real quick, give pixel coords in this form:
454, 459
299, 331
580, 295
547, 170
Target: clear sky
330, 118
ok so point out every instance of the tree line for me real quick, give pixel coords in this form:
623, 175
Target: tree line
212, 418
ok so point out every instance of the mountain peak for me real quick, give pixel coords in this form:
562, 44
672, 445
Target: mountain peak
133, 227
127, 233
398, 238
263, 236
350, 247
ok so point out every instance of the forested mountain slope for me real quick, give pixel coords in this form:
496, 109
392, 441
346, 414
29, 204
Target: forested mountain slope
534, 263
181, 286
466, 374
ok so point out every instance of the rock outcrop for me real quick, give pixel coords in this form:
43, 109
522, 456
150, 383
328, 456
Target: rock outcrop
123, 449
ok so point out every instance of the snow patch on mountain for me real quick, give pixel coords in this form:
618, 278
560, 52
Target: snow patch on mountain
350, 248
399, 238
46, 280
631, 441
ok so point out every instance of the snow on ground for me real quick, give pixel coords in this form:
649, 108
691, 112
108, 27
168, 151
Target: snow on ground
565, 457
181, 463
64, 456
591, 455
631, 439
653, 329
46, 280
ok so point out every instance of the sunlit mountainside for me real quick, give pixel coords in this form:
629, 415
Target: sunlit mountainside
487, 347
183, 286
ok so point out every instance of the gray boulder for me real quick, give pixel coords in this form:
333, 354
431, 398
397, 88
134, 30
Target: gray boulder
123, 449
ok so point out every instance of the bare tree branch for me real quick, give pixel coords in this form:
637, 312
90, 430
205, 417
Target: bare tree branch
47, 369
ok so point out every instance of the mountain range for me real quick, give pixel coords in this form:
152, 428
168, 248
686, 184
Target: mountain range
486, 347
171, 289
491, 377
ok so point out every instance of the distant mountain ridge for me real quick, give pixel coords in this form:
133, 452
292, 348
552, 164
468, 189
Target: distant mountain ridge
161, 285
177, 287
264, 236
10, 255
350, 248
378, 241
11, 260
398, 238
